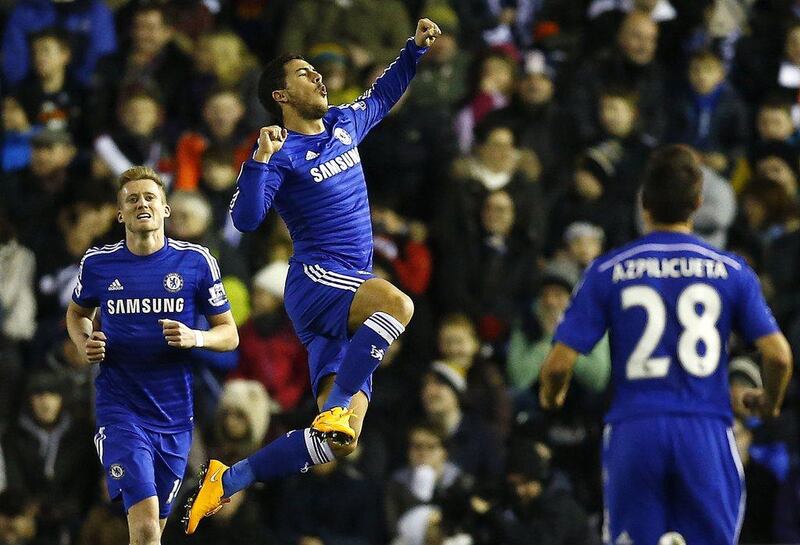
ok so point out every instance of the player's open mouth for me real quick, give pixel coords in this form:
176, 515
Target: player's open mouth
143, 216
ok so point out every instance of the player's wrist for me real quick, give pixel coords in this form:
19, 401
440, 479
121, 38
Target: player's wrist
199, 338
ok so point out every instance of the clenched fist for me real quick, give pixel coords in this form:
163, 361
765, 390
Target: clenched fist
178, 334
427, 32
94, 349
270, 140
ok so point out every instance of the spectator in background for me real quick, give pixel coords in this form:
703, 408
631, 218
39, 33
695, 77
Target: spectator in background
539, 123
223, 127
427, 477
473, 446
441, 80
331, 504
137, 139
712, 117
34, 193
105, 523
331, 59
406, 156
50, 95
221, 59
402, 245
241, 420
191, 220
718, 211
631, 64
17, 133
346, 23
583, 242
17, 314
150, 60
47, 455
486, 275
532, 336
496, 163
77, 375
269, 351
494, 83
537, 508
459, 348
218, 184
90, 25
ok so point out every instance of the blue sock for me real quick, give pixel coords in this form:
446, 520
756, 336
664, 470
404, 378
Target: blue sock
363, 356
294, 452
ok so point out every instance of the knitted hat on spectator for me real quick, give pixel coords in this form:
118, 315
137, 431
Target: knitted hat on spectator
325, 53
745, 370
272, 278
598, 165
559, 273
449, 376
251, 399
580, 229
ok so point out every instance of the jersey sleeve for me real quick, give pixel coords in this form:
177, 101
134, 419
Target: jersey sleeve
211, 295
375, 103
753, 318
85, 293
255, 190
586, 319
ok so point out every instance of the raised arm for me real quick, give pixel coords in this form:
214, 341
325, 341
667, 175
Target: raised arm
375, 103
259, 181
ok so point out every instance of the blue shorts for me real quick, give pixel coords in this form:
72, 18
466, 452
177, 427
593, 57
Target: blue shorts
140, 463
676, 473
318, 302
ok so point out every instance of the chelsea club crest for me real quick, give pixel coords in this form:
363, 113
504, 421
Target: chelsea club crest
173, 282
342, 136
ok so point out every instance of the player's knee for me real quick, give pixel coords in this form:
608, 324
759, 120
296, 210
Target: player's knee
146, 532
400, 306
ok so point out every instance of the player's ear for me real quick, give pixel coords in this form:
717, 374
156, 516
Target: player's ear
279, 96
167, 211
119, 217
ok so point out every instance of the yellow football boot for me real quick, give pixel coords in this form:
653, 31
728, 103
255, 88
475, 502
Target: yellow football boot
334, 425
209, 496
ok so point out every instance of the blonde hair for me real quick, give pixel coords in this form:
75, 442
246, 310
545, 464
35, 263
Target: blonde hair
229, 71
141, 172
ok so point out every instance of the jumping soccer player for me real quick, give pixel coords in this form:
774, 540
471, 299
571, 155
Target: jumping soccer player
346, 317
150, 291
670, 302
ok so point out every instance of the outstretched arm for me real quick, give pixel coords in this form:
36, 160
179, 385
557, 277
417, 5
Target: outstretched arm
258, 182
375, 103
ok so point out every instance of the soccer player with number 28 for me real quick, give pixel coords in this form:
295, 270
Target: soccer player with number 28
670, 301
150, 291
310, 171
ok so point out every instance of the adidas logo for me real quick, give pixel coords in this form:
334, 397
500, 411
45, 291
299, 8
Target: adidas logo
116, 285
311, 155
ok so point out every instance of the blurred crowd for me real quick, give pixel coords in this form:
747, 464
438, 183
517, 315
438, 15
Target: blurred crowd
510, 164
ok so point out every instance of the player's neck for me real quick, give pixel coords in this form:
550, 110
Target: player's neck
295, 123
683, 227
144, 243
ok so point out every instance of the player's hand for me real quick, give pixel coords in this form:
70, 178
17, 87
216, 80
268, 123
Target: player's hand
427, 32
94, 349
754, 402
177, 334
270, 141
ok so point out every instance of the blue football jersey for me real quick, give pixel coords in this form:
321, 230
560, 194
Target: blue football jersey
670, 302
316, 182
142, 379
